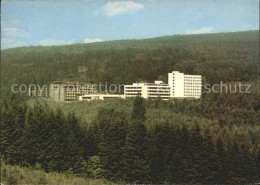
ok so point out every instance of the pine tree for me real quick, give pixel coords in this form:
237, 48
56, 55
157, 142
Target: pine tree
155, 160
112, 128
223, 165
36, 136
248, 164
135, 155
257, 160
95, 168
139, 110
164, 145
196, 149
185, 152
57, 147
235, 165
6, 128
74, 144
176, 166
211, 166
12, 129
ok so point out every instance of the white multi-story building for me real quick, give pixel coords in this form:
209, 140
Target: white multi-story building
184, 86
148, 90
179, 86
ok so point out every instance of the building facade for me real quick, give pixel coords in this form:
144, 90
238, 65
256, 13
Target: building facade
148, 90
185, 86
89, 97
179, 86
69, 91
39, 91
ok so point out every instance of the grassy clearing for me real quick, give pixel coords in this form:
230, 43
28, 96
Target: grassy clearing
19, 175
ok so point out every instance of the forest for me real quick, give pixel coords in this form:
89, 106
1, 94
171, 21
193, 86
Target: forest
132, 146
214, 139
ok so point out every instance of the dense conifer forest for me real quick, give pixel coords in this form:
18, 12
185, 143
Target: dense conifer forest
214, 139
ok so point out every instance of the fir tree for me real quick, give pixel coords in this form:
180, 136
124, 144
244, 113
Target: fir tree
211, 166
112, 130
139, 110
235, 165
135, 155
257, 160
185, 149
196, 150
223, 159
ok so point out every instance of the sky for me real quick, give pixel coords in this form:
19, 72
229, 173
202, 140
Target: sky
59, 22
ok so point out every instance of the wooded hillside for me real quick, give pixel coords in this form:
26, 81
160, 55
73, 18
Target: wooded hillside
214, 139
217, 57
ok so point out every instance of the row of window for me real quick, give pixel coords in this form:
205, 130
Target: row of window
187, 89
158, 87
192, 83
192, 77
133, 87
159, 94
132, 94
133, 90
73, 87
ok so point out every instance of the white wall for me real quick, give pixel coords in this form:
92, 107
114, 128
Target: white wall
176, 82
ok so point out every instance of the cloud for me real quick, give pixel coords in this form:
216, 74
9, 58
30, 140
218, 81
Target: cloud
246, 26
198, 31
52, 42
121, 7
87, 40
10, 43
12, 35
14, 32
12, 29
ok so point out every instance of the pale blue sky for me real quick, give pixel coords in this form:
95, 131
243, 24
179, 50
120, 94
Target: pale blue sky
50, 22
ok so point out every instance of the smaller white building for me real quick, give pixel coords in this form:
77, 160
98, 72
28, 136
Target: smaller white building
148, 90
69, 91
89, 97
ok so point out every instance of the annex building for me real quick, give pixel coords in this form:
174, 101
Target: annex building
69, 91
148, 90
